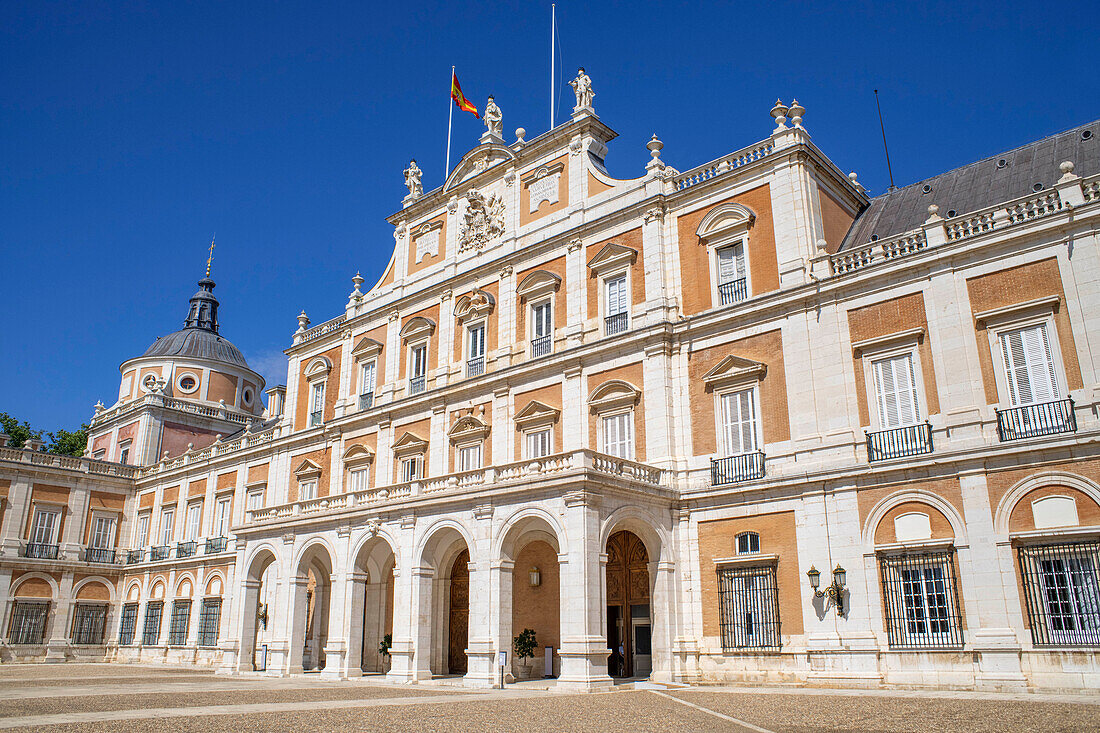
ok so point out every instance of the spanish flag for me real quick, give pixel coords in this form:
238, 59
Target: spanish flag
460, 99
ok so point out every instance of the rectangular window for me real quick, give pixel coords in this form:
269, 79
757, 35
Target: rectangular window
181, 619
418, 368
542, 329
738, 414
89, 623
748, 608
150, 634
221, 518
618, 435
469, 457
358, 479
410, 468
255, 500
1063, 592
210, 615
1029, 365
895, 391
103, 533
28, 622
307, 490
366, 385
731, 274
194, 521
124, 453
615, 316
141, 536
167, 519
316, 403
45, 526
475, 350
127, 624
538, 443
922, 603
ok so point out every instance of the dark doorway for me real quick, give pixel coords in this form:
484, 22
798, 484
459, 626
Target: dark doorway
459, 614
628, 619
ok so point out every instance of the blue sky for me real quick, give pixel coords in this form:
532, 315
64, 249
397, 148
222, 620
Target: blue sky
130, 132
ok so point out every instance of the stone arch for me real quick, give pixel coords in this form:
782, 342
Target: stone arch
372, 586
724, 218
1003, 514
158, 590
311, 604
85, 587
36, 584
218, 577
443, 559
912, 496
317, 366
523, 521
185, 587
437, 541
313, 546
641, 523
259, 585
134, 591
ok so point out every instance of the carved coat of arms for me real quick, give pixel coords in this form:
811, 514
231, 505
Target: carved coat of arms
484, 221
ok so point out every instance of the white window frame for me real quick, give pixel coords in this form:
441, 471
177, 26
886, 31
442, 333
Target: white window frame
719, 418
737, 240
167, 526
412, 467
532, 321
255, 498
307, 486
906, 343
481, 325
194, 521
141, 529
410, 371
1004, 391
53, 528
469, 456
221, 516
97, 519
124, 451
603, 417
605, 282
531, 435
316, 387
368, 367
358, 474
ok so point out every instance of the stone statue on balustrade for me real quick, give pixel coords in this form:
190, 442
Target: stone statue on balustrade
493, 119
582, 87
412, 180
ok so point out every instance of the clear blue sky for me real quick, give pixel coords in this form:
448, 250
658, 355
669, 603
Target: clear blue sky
129, 132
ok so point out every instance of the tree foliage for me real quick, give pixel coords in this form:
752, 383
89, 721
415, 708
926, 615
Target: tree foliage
62, 442
18, 432
524, 644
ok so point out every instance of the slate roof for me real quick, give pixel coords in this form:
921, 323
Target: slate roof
980, 184
197, 343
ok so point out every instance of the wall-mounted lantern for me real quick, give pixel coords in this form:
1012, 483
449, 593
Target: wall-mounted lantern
833, 591
535, 577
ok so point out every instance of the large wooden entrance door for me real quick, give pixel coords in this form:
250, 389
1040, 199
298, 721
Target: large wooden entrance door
627, 604
459, 625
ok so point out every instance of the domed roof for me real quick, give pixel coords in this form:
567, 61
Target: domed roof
199, 336
197, 343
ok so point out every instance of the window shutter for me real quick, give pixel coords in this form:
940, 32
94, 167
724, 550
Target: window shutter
731, 264
739, 422
616, 296
896, 391
1029, 366
367, 385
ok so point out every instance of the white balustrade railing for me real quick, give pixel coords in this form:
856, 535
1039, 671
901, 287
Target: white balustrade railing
857, 258
219, 412
722, 165
70, 463
320, 330
1091, 189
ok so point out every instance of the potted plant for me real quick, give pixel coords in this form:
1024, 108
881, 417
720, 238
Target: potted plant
384, 650
523, 646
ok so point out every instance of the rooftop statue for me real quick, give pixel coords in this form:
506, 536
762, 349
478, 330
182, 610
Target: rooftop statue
412, 180
582, 87
493, 118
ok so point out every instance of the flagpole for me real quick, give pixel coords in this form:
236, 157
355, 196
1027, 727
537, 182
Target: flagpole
450, 115
553, 24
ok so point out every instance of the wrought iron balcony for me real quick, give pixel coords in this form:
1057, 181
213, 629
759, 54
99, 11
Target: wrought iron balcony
186, 549
616, 323
99, 554
41, 551
733, 291
1029, 421
160, 553
540, 346
315, 418
475, 367
416, 384
135, 556
366, 400
734, 469
215, 545
911, 440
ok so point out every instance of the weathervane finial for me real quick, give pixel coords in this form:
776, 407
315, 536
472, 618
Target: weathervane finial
210, 257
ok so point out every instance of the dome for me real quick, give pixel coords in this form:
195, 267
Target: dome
197, 343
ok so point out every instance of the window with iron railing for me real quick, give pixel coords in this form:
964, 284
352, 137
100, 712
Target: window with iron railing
181, 620
89, 623
186, 549
732, 292
475, 350
215, 545
920, 592
734, 469
542, 328
209, 617
1063, 592
732, 283
127, 624
617, 304
475, 367
41, 551
28, 622
150, 633
316, 403
913, 440
616, 323
99, 554
135, 556
748, 608
418, 369
366, 400
1032, 421
541, 346
366, 385
163, 552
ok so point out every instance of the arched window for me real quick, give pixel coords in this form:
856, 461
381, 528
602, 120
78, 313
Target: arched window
747, 543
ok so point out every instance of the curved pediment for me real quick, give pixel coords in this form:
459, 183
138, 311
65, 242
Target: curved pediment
318, 366
731, 218
358, 454
468, 427
613, 393
477, 161
538, 283
474, 305
417, 326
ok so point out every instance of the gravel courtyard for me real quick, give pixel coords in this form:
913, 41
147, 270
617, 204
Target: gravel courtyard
101, 697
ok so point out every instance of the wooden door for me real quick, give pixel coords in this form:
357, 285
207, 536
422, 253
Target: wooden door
627, 585
459, 625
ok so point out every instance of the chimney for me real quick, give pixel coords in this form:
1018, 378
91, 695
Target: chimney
276, 398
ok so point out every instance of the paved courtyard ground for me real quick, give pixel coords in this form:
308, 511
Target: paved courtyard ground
121, 698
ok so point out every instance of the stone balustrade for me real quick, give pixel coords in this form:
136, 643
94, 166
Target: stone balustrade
71, 463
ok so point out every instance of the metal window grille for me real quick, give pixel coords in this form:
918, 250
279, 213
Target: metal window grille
127, 624
315, 418
209, 617
89, 623
616, 323
150, 635
28, 622
416, 384
186, 549
177, 627
99, 554
922, 602
1063, 592
732, 292
733, 469
540, 346
41, 551
1030, 421
913, 440
748, 608
160, 553
366, 400
475, 367
215, 545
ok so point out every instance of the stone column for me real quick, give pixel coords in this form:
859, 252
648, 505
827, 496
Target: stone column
584, 649
57, 632
449, 330
500, 574
481, 646
576, 294
15, 517
294, 625
506, 317
657, 386
337, 642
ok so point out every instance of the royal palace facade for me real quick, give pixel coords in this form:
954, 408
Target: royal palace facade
741, 423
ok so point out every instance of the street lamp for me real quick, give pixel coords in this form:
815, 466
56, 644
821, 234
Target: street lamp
834, 591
